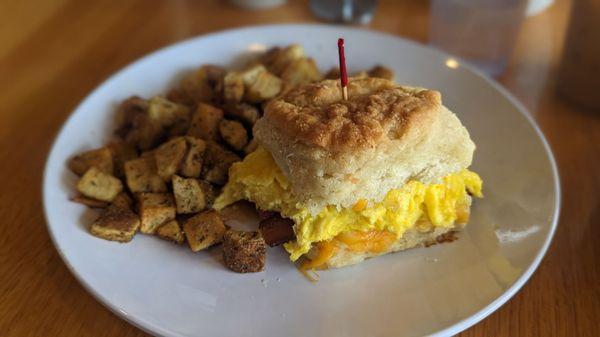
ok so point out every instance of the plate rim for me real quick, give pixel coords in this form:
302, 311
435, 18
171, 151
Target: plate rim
454, 328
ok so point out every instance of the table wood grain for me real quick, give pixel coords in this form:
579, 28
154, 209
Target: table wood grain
53, 53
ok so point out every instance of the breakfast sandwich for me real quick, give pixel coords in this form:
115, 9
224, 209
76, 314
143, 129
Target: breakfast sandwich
382, 171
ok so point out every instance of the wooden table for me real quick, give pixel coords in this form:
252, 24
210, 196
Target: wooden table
53, 53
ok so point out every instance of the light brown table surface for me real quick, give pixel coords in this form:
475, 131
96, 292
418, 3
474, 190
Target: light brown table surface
53, 53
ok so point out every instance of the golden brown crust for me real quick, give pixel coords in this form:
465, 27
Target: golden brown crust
316, 114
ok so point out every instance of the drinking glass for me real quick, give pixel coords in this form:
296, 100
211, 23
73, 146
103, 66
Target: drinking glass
481, 32
346, 11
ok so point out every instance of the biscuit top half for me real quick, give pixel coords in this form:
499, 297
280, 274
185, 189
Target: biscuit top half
376, 110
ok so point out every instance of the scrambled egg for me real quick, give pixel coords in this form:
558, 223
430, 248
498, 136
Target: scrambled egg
258, 179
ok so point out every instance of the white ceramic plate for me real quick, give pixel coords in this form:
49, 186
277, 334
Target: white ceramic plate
168, 290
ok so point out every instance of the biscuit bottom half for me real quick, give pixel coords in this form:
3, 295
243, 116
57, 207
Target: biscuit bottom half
353, 247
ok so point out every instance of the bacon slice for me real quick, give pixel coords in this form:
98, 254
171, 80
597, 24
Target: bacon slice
275, 229
264, 215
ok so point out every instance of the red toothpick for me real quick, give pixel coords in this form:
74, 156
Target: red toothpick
343, 74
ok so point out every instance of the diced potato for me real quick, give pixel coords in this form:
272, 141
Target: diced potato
117, 223
128, 112
333, 74
155, 209
267, 58
251, 147
213, 73
98, 185
216, 154
121, 153
191, 166
146, 127
130, 107
300, 71
169, 156
216, 175
196, 88
144, 132
205, 122
250, 74
179, 96
189, 196
195, 85
245, 113
215, 76
204, 230
382, 72
180, 128
89, 202
166, 113
361, 74
244, 252
199, 84
160, 117
217, 163
147, 154
171, 231
261, 85
210, 193
281, 58
122, 200
233, 133
101, 158
142, 176
233, 87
